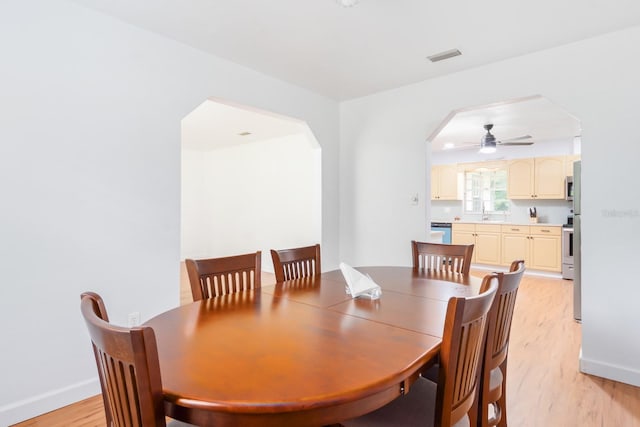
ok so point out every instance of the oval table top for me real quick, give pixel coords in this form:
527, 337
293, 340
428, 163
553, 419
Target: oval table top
302, 352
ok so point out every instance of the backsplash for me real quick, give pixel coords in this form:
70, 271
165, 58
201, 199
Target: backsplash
549, 211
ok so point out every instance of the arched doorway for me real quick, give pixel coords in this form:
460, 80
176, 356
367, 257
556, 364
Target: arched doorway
251, 180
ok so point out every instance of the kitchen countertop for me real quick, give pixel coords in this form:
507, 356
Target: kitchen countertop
547, 224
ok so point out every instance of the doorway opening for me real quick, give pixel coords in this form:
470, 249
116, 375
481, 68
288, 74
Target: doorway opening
251, 180
472, 185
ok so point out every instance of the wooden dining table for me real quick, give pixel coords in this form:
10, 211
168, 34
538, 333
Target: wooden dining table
302, 352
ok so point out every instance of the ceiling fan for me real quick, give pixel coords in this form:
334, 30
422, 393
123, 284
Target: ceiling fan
488, 143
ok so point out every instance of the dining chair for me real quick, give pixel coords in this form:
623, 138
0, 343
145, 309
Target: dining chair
128, 368
450, 400
492, 395
221, 276
442, 257
289, 264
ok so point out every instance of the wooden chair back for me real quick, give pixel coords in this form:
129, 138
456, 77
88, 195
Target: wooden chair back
442, 257
497, 342
501, 314
128, 367
461, 352
289, 264
221, 276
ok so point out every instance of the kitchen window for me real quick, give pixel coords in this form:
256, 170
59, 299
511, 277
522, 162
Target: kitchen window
485, 191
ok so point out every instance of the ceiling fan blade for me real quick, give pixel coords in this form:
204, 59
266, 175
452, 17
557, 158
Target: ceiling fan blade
518, 138
515, 143
457, 147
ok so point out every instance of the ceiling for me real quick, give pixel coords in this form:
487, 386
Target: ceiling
214, 125
344, 53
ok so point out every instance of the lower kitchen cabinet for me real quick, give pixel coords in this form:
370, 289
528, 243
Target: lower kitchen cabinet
485, 237
538, 245
464, 234
546, 248
515, 243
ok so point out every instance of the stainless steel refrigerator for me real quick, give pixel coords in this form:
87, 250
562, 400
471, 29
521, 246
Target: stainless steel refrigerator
577, 242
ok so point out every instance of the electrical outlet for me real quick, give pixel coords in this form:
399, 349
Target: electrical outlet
414, 199
133, 319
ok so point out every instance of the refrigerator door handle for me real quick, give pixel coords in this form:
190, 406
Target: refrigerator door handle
577, 268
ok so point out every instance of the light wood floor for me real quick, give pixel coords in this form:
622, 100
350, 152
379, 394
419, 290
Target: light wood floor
544, 387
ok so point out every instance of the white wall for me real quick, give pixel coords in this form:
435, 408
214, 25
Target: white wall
258, 196
90, 112
383, 159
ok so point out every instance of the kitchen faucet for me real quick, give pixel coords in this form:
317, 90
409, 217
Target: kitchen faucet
485, 216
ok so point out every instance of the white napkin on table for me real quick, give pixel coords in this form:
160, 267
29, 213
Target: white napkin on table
358, 284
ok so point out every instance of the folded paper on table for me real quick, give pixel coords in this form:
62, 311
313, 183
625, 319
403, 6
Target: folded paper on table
358, 284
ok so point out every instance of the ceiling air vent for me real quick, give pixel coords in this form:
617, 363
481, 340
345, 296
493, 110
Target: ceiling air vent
444, 55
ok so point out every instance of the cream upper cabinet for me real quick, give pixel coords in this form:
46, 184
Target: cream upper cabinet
520, 175
538, 245
444, 182
568, 164
549, 177
536, 178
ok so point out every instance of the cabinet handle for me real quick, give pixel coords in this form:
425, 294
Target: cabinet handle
515, 229
546, 231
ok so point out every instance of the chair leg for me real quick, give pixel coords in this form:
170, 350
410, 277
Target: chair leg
498, 415
473, 412
480, 407
502, 401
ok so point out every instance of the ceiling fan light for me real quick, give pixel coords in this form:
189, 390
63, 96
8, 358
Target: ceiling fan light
347, 3
487, 149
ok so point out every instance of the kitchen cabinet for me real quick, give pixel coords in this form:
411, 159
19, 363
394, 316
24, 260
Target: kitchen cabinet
546, 247
536, 178
487, 244
464, 234
485, 237
568, 164
538, 245
444, 182
515, 243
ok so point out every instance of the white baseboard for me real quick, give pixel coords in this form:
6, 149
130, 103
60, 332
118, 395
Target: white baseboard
528, 272
613, 372
37, 405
